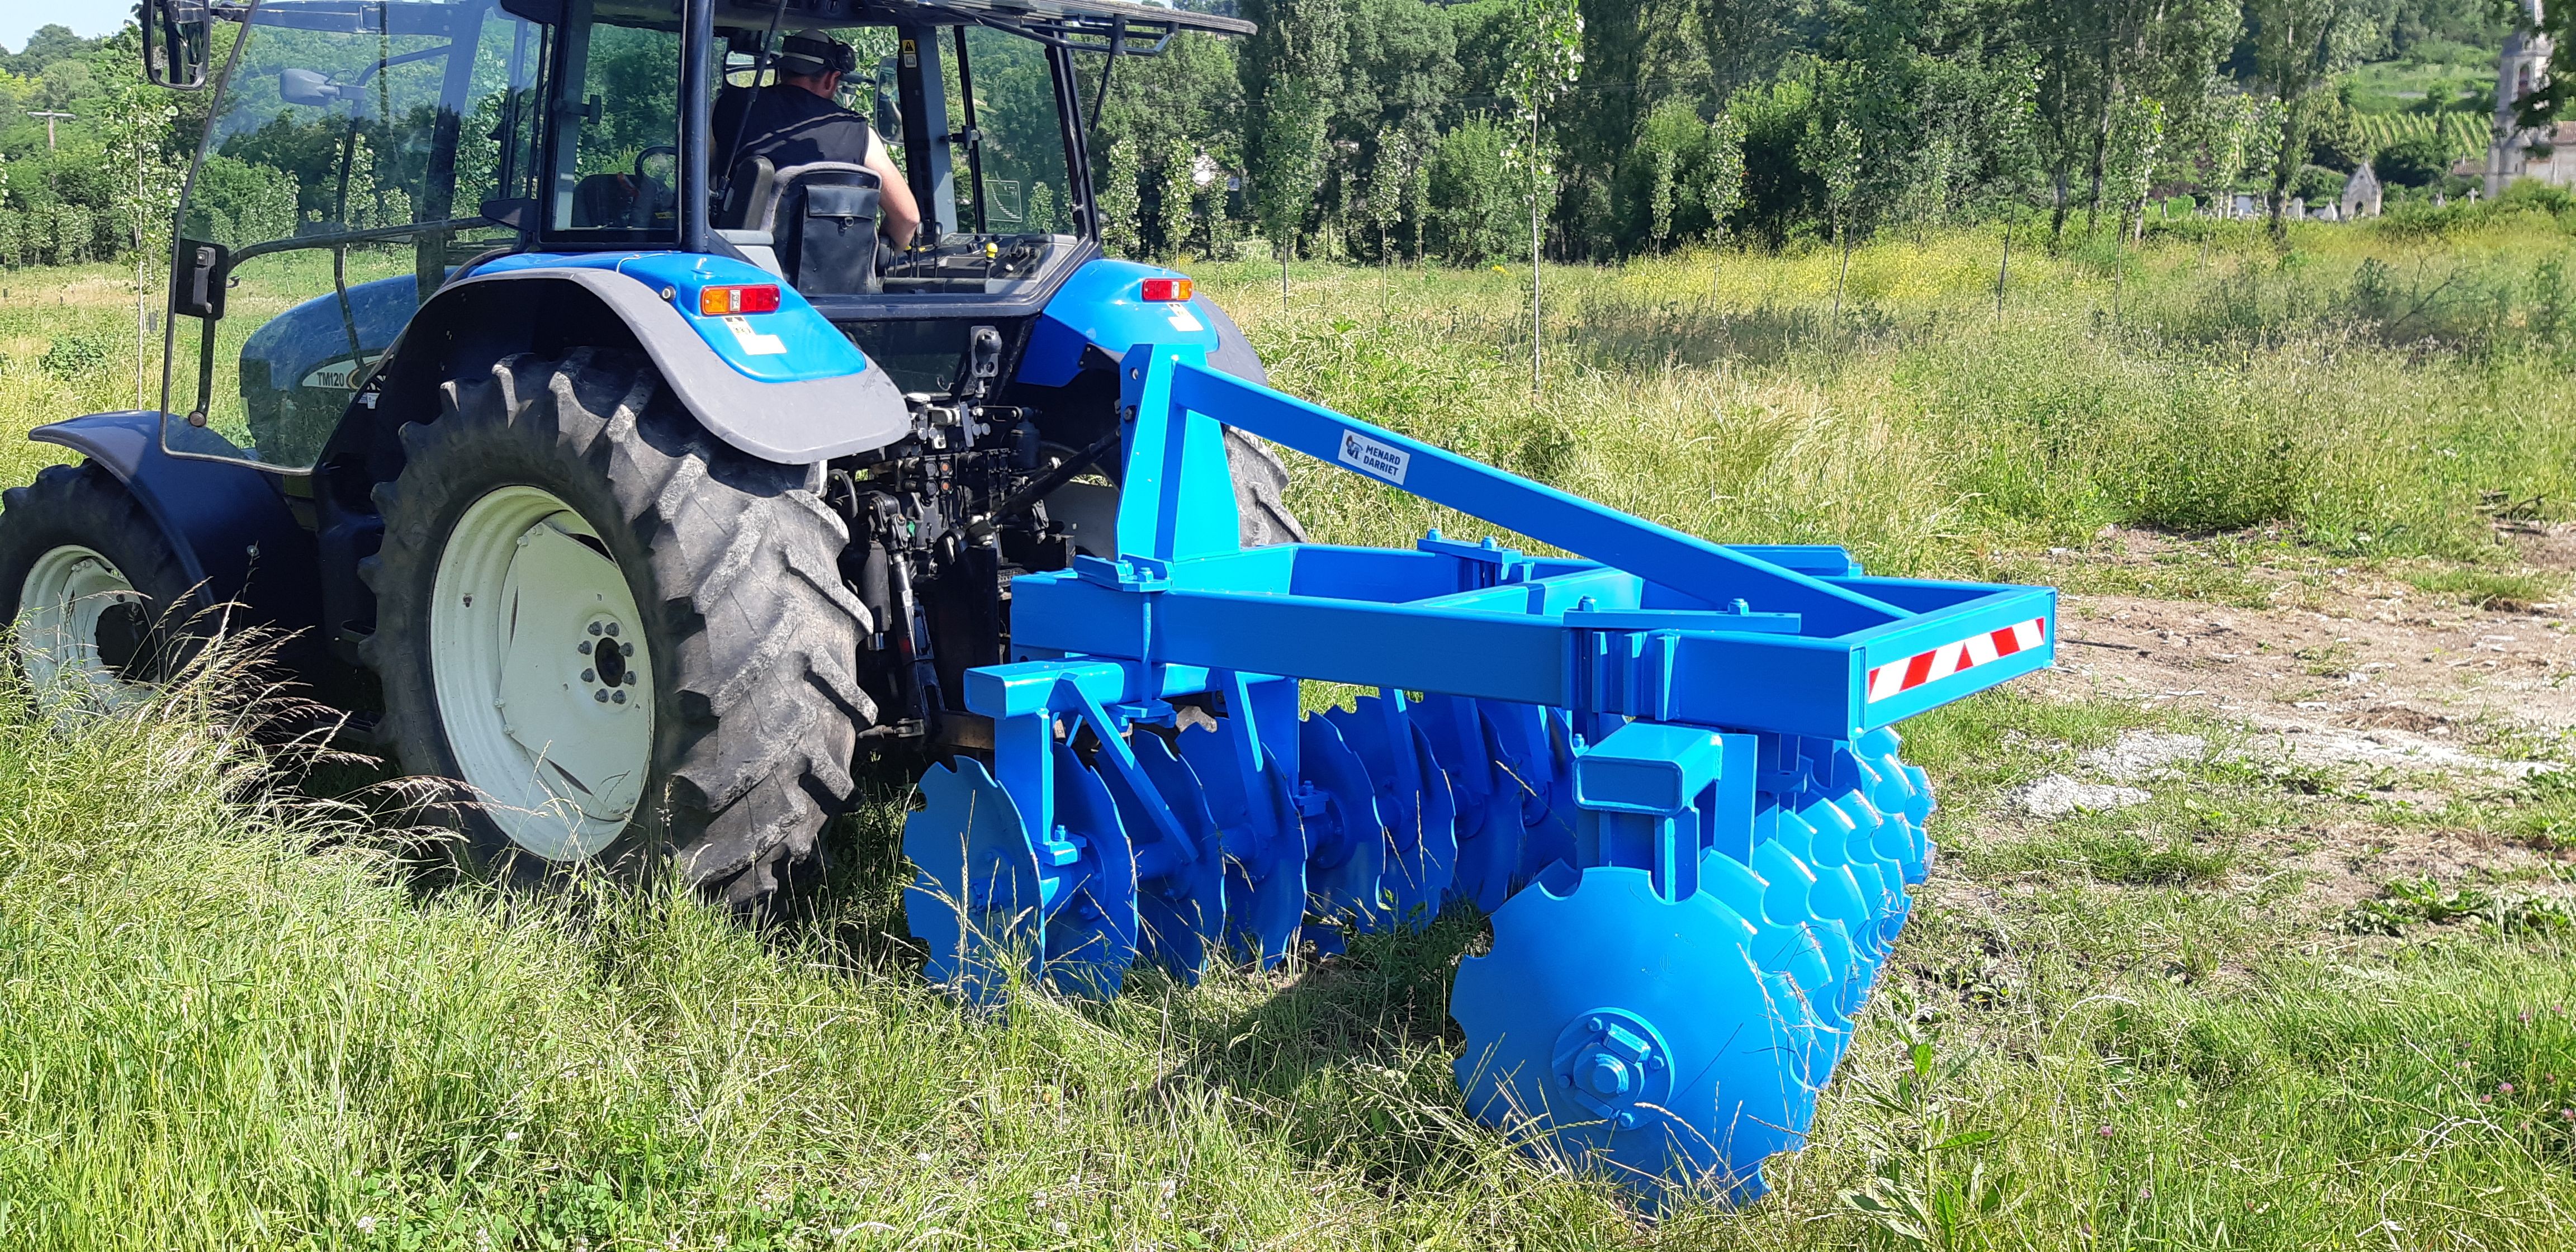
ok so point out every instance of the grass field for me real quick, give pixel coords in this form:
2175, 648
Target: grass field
228, 1019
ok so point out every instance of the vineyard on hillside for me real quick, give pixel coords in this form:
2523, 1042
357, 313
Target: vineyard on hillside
2461, 134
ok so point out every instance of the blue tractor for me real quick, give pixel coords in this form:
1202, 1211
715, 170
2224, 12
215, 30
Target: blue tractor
639, 494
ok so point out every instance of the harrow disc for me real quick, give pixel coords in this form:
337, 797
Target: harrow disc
1091, 930
1486, 801
1180, 882
1835, 895
1636, 1035
1263, 841
991, 896
976, 901
1840, 830
1791, 954
1414, 799
1788, 894
1531, 751
1346, 838
1904, 793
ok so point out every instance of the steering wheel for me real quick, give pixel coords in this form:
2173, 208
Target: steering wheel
659, 149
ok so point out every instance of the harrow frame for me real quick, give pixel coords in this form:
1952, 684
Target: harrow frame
1653, 717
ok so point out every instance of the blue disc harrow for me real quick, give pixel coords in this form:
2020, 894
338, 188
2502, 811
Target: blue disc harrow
1666, 768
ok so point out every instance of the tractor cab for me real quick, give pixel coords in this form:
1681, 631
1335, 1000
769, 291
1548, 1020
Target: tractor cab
363, 154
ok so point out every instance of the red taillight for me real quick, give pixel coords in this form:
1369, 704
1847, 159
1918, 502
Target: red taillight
721, 301
1167, 290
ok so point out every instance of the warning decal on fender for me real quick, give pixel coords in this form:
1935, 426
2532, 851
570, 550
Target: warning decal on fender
754, 342
1371, 457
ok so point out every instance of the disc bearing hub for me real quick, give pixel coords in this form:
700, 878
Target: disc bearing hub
1612, 1061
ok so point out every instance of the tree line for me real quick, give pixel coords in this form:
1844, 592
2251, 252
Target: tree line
1382, 129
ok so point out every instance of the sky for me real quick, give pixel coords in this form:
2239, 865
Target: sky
20, 18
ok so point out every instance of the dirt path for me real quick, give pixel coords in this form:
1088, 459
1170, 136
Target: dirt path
2366, 671
2382, 689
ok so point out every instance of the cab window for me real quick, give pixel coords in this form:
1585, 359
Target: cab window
344, 168
616, 158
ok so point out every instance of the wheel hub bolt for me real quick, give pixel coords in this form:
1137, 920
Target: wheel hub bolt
1606, 1076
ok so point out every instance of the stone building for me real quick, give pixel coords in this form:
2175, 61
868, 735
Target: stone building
2547, 153
2361, 194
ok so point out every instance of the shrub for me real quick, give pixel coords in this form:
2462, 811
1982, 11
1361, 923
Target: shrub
2415, 161
2316, 182
75, 354
1476, 211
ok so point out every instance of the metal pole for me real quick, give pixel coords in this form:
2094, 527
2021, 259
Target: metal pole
142, 274
1536, 327
699, 56
50, 119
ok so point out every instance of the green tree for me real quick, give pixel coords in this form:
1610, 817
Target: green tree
1400, 74
1744, 42
2298, 46
2415, 161
1175, 195
1120, 202
1715, 187
1549, 62
1390, 179
1290, 70
1835, 155
1473, 204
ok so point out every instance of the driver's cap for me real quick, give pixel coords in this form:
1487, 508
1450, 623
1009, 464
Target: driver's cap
813, 53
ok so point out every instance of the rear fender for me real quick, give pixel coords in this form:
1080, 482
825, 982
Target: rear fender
1101, 312
230, 526
804, 394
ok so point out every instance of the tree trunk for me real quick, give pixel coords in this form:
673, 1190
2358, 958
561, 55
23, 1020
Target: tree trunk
2285, 162
2099, 170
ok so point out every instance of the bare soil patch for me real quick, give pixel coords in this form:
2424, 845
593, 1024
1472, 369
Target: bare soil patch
2363, 681
2363, 669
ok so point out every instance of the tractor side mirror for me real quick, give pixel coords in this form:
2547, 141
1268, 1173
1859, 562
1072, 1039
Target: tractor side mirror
308, 87
175, 38
198, 274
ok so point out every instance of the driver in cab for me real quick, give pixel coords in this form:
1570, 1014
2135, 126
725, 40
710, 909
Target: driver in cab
795, 120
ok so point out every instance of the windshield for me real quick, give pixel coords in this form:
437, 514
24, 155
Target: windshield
345, 164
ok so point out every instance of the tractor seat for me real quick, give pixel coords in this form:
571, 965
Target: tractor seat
619, 200
818, 220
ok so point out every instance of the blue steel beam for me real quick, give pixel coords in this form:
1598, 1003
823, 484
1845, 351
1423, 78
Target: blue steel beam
1754, 679
1175, 401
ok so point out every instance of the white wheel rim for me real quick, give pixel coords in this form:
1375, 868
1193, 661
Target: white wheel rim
552, 732
60, 605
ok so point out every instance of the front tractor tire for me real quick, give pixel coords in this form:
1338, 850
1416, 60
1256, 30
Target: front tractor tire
94, 589
612, 635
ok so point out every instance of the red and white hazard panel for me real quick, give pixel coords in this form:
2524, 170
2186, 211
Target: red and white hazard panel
1950, 658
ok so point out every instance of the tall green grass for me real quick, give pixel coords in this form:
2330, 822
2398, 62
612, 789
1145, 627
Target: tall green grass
228, 1018
2369, 391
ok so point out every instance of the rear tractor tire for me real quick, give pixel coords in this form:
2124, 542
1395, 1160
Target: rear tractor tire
94, 588
1260, 478
616, 636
